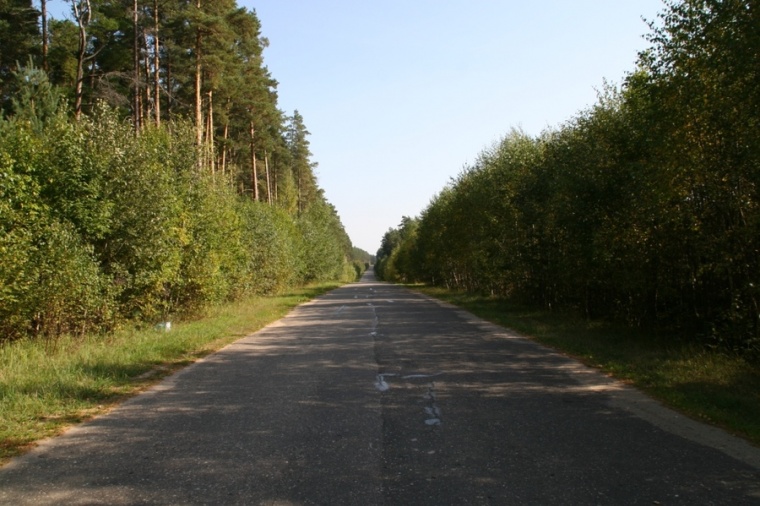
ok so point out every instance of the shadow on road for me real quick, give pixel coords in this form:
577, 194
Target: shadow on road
373, 394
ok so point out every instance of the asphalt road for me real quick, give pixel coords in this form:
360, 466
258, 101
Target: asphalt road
373, 395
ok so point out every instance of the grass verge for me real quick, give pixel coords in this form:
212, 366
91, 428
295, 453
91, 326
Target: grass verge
718, 388
46, 386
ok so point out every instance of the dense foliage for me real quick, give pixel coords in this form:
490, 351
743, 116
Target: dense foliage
644, 207
148, 171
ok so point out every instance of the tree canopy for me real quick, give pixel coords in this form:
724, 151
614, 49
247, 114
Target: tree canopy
643, 207
146, 170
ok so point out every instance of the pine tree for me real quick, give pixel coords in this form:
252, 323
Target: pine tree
302, 166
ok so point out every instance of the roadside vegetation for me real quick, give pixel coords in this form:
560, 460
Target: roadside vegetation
631, 233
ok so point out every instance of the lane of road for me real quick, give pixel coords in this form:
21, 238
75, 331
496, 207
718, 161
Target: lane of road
373, 394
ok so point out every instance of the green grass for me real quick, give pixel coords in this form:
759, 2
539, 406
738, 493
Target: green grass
720, 388
46, 386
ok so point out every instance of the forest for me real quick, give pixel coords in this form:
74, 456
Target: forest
643, 208
146, 170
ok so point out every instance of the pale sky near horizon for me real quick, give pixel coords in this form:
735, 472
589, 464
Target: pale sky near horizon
400, 95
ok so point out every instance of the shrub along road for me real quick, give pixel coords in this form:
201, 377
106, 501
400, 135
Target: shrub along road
373, 394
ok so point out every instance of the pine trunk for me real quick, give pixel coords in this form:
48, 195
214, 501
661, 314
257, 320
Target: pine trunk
149, 102
211, 159
43, 14
225, 136
269, 185
198, 101
136, 113
274, 184
254, 175
156, 66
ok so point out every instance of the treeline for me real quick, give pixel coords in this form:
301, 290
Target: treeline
643, 208
146, 171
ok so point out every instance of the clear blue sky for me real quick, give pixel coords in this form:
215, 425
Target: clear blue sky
399, 95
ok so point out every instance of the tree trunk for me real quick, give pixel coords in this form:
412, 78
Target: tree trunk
136, 113
254, 175
156, 66
211, 159
148, 107
198, 68
169, 96
83, 20
274, 184
269, 185
43, 13
225, 136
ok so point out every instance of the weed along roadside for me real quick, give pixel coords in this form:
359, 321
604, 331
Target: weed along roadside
50, 385
719, 388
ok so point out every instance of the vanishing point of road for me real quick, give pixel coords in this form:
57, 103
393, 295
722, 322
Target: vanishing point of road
376, 395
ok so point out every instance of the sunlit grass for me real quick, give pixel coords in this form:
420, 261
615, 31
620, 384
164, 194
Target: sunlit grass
720, 388
48, 385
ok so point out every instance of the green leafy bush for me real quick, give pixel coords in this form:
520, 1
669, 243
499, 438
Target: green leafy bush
99, 224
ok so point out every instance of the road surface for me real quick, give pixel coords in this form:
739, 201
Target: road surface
375, 395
